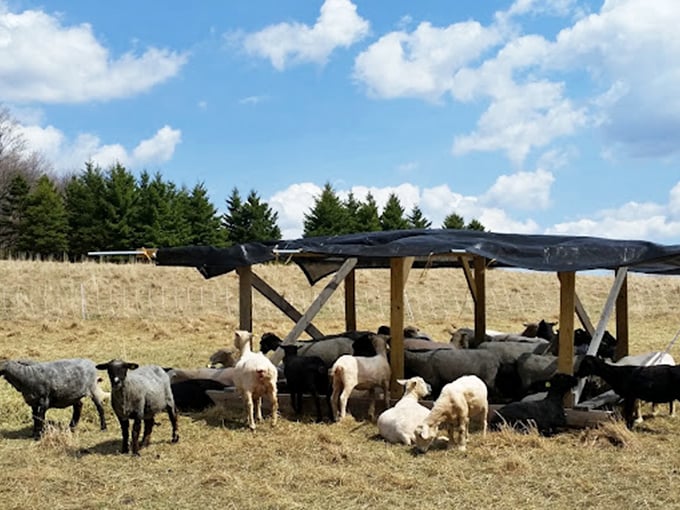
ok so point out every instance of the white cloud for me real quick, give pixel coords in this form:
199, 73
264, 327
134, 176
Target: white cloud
291, 204
41, 60
253, 100
70, 155
338, 25
522, 190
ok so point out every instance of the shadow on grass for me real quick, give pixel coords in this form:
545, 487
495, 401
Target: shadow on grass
22, 433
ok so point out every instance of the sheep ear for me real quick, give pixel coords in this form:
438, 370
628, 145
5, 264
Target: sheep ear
102, 366
132, 366
402, 381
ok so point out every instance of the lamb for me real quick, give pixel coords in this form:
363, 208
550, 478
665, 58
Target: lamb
363, 373
254, 377
656, 383
55, 384
398, 424
461, 400
138, 393
443, 366
306, 374
547, 415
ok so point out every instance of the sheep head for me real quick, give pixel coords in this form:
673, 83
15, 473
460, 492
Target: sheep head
117, 370
242, 339
424, 436
415, 385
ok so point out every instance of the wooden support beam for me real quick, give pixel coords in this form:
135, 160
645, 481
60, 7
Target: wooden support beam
469, 278
245, 298
350, 301
479, 264
314, 308
565, 359
622, 332
282, 304
398, 272
583, 316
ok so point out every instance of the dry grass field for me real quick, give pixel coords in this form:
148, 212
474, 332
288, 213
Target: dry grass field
173, 317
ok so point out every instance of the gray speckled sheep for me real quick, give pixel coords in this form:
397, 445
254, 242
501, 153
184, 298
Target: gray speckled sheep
138, 393
55, 384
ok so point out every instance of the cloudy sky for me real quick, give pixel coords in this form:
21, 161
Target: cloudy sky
533, 116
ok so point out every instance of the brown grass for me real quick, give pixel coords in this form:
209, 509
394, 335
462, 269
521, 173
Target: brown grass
172, 316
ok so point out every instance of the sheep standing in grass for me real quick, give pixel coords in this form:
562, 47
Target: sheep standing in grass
254, 377
138, 393
398, 424
306, 374
459, 401
362, 373
55, 384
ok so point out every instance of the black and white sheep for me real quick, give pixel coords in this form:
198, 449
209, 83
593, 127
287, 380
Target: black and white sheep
656, 383
55, 384
546, 415
138, 393
460, 401
306, 374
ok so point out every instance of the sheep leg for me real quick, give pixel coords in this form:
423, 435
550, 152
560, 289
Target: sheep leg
335, 398
146, 437
100, 412
275, 405
629, 412
371, 405
317, 402
463, 424
671, 409
77, 410
172, 414
38, 420
344, 397
125, 431
485, 420
136, 429
258, 408
248, 399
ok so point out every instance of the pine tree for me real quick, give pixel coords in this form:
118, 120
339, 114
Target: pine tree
454, 221
157, 218
368, 217
44, 230
417, 220
83, 198
203, 220
475, 225
12, 212
252, 220
352, 205
328, 216
392, 217
119, 204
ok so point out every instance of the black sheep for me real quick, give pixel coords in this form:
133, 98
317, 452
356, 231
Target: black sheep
654, 383
306, 374
190, 395
546, 415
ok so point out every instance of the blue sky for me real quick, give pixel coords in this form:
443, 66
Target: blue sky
533, 116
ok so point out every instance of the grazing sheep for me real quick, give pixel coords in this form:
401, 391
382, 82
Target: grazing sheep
443, 366
190, 395
398, 424
363, 373
656, 383
55, 384
547, 415
138, 393
254, 377
460, 400
306, 374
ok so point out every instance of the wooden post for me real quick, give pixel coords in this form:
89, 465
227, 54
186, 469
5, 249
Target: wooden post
397, 283
479, 264
350, 301
622, 335
565, 359
245, 297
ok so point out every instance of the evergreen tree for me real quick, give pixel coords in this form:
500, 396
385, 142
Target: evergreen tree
85, 213
119, 204
454, 221
252, 220
12, 212
352, 205
157, 220
328, 216
392, 217
202, 218
417, 220
368, 218
475, 225
44, 230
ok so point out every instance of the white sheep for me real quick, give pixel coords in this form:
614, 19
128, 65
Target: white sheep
254, 377
459, 401
362, 373
398, 424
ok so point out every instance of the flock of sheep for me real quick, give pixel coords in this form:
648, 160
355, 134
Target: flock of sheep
462, 377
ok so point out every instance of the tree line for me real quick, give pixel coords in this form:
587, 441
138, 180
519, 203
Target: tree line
111, 209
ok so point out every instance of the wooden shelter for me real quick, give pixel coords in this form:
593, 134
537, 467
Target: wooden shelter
473, 252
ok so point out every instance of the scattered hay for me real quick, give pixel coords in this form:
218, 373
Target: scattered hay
58, 438
614, 433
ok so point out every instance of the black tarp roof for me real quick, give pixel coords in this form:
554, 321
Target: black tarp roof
320, 256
